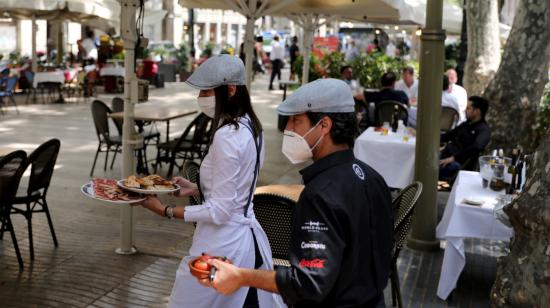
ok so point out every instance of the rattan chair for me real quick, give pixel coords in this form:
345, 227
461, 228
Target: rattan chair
12, 167
274, 213
192, 144
384, 112
191, 172
449, 118
403, 208
42, 162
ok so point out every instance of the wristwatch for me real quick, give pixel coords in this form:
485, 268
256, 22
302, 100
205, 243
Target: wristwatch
169, 211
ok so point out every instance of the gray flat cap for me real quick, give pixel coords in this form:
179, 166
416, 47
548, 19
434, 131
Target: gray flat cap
216, 71
322, 95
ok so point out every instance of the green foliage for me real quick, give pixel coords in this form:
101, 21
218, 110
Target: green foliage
182, 55
368, 68
208, 50
332, 63
161, 51
142, 53
452, 52
315, 70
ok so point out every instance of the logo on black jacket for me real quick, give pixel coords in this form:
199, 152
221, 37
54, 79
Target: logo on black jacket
360, 173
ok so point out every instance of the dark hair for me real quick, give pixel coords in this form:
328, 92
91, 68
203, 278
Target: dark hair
230, 109
295, 39
276, 37
259, 39
480, 103
343, 68
408, 69
344, 126
445, 83
388, 79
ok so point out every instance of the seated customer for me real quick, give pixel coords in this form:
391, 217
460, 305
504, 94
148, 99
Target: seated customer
465, 141
388, 93
450, 100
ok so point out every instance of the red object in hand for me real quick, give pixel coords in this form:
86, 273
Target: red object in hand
202, 265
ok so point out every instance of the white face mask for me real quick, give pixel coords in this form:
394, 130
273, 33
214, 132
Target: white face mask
207, 105
296, 148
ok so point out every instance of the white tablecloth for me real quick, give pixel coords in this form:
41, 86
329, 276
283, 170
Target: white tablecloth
112, 71
462, 221
389, 155
56, 76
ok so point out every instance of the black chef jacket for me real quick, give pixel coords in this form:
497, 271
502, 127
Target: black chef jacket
466, 140
341, 241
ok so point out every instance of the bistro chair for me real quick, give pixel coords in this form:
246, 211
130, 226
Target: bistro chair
117, 105
384, 112
403, 207
42, 162
192, 144
12, 167
449, 118
274, 213
29, 75
191, 173
8, 93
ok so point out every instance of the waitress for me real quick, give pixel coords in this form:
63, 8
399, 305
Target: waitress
225, 220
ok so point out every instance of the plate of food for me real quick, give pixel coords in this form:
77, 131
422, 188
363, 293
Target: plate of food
107, 190
151, 184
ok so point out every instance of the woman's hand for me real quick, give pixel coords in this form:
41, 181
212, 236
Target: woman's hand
153, 203
187, 188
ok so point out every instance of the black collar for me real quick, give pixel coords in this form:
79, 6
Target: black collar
334, 159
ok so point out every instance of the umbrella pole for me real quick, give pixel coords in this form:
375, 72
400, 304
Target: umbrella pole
129, 35
249, 44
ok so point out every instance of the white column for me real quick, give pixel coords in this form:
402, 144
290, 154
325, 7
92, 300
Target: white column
218, 32
206, 35
240, 37
323, 30
230, 39
33, 44
249, 50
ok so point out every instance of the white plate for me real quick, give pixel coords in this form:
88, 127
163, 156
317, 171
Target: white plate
148, 191
88, 190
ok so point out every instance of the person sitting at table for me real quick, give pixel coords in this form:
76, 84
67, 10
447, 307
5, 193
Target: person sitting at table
466, 141
408, 84
457, 91
388, 93
226, 225
361, 109
341, 236
450, 100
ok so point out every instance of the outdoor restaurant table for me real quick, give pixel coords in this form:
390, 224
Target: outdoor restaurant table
112, 71
291, 191
55, 76
389, 155
466, 221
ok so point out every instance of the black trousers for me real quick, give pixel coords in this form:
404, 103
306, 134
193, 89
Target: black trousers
251, 300
275, 70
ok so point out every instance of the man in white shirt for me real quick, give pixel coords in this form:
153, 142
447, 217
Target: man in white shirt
408, 84
277, 56
449, 100
391, 50
457, 91
352, 52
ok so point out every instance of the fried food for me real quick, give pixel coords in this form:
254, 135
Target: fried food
131, 182
150, 182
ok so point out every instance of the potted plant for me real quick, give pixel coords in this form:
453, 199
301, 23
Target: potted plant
182, 57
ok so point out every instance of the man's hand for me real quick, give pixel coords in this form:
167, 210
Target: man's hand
228, 277
446, 161
187, 188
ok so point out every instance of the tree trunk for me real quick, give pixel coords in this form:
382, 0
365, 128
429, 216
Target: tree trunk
463, 52
515, 92
523, 276
483, 45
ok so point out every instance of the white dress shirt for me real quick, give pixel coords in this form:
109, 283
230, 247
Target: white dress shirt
462, 97
277, 51
449, 100
412, 91
226, 177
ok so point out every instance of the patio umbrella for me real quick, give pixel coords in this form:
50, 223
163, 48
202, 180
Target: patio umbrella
309, 14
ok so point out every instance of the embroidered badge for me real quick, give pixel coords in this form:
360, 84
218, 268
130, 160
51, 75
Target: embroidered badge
358, 171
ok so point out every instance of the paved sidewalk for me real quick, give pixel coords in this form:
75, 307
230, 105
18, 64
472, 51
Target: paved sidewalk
84, 270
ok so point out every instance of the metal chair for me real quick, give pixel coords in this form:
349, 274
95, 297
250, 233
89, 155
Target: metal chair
403, 207
384, 112
29, 75
449, 118
274, 213
42, 162
8, 93
107, 142
12, 167
192, 144
117, 105
191, 172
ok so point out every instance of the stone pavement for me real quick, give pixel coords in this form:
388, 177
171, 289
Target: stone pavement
84, 270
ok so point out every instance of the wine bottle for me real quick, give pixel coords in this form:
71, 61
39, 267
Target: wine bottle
395, 119
512, 171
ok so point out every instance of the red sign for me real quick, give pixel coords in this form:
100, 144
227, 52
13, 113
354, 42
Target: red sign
324, 45
315, 263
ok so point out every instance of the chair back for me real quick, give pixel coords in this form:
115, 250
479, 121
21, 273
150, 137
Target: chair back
384, 112
42, 161
191, 172
198, 132
449, 118
100, 112
403, 207
117, 105
10, 85
274, 213
29, 75
12, 167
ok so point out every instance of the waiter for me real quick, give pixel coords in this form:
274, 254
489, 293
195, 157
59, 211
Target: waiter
341, 238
